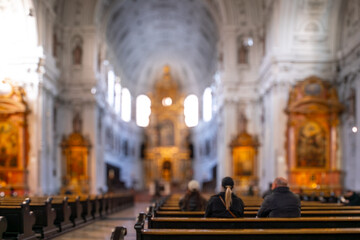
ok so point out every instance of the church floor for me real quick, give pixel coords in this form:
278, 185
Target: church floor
101, 229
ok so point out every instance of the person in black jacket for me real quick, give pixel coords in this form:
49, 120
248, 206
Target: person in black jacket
193, 201
352, 199
225, 204
281, 202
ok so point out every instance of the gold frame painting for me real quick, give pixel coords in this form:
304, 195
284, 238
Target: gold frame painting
311, 138
14, 140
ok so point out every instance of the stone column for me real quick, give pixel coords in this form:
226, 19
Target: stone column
228, 104
273, 145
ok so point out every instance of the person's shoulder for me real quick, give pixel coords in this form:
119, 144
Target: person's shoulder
215, 196
236, 198
270, 197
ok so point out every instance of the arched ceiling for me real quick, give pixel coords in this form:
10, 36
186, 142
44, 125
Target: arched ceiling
145, 35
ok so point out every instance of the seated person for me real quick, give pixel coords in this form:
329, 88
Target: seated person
192, 201
225, 204
281, 202
351, 198
332, 198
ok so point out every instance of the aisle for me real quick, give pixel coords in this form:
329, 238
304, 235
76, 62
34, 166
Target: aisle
101, 229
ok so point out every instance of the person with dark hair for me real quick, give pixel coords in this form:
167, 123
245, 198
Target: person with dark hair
351, 198
225, 204
281, 202
193, 201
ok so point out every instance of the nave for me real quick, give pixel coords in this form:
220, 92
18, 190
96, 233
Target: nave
105, 96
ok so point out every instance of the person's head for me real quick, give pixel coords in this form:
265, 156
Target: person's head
228, 184
193, 185
348, 193
279, 182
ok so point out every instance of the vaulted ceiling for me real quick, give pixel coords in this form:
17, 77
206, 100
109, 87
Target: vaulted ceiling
145, 35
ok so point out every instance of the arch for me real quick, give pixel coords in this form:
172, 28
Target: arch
164, 45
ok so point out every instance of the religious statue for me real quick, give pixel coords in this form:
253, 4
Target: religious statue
242, 54
77, 123
77, 55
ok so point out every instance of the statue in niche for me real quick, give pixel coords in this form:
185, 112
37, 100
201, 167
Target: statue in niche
311, 146
77, 123
242, 122
351, 103
242, 54
221, 61
77, 55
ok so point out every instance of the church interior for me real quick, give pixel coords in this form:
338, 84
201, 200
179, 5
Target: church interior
100, 96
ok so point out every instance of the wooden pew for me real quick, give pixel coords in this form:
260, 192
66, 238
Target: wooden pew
303, 208
86, 208
118, 233
45, 216
329, 213
76, 210
3, 225
20, 221
95, 206
102, 205
106, 204
124, 200
253, 223
253, 234
63, 212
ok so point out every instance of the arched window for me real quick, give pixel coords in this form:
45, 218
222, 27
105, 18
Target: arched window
143, 110
111, 86
207, 105
126, 105
117, 97
191, 110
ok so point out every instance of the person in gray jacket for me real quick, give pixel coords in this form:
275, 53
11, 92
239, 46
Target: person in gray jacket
281, 202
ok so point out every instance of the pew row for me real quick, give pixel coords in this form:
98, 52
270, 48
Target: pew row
253, 234
253, 223
20, 221
3, 225
329, 213
43, 212
48, 217
303, 208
